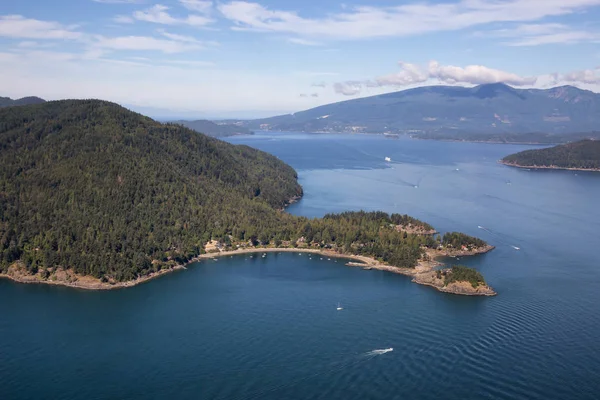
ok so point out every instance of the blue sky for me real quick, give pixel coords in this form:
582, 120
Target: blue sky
257, 58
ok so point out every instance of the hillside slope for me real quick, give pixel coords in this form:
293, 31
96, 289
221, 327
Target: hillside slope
584, 154
452, 112
107, 192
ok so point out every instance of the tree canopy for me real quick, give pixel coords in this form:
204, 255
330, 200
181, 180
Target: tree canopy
584, 154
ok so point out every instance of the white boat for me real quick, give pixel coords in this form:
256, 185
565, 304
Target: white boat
388, 159
339, 307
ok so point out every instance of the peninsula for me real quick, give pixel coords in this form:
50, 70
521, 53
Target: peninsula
578, 156
94, 196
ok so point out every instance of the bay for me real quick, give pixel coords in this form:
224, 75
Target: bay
268, 328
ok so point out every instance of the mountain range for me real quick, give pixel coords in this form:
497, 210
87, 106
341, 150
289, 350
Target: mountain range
451, 112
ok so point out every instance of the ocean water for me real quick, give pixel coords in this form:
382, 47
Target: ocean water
268, 328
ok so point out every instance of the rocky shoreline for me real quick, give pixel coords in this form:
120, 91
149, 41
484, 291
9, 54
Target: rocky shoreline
424, 273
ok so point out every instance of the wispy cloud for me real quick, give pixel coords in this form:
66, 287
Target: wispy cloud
404, 20
158, 14
178, 38
144, 43
123, 19
200, 6
542, 34
412, 74
119, 1
303, 42
17, 26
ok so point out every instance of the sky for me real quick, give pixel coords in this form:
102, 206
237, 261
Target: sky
244, 59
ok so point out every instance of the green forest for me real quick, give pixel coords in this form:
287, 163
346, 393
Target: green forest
584, 154
460, 273
93, 187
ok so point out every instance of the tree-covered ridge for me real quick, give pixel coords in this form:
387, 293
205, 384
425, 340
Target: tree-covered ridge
90, 186
93, 186
459, 240
460, 273
584, 154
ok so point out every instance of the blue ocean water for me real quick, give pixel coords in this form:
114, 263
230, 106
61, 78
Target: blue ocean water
268, 328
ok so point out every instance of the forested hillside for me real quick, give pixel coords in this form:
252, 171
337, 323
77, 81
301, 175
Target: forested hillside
92, 187
584, 154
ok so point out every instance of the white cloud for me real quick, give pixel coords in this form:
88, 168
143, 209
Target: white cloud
123, 19
17, 26
178, 38
28, 44
349, 88
143, 43
412, 74
541, 34
158, 14
303, 42
200, 6
476, 75
409, 74
403, 20
192, 63
586, 76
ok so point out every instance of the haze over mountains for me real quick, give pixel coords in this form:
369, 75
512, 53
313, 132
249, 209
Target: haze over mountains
451, 111
215, 129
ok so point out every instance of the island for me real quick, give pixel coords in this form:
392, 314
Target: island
583, 155
95, 196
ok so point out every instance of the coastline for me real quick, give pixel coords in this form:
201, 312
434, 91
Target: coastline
551, 167
423, 273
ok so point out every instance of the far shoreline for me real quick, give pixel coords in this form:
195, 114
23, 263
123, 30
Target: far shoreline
423, 273
548, 167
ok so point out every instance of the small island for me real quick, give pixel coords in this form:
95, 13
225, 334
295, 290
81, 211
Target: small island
578, 156
97, 197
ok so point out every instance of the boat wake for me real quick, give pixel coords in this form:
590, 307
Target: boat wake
378, 352
499, 237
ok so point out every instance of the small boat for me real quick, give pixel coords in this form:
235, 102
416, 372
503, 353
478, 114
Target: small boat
339, 307
388, 159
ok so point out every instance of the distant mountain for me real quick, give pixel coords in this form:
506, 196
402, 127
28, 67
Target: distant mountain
215, 129
25, 101
452, 112
584, 155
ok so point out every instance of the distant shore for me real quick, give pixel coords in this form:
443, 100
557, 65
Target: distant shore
509, 164
423, 273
